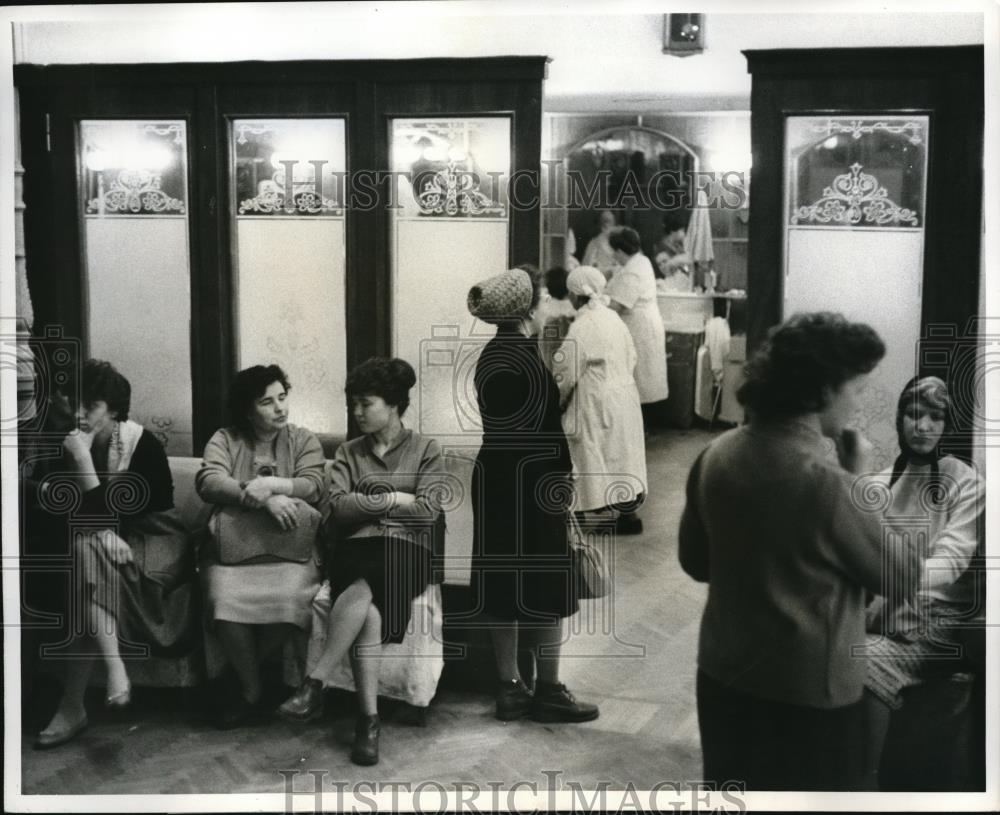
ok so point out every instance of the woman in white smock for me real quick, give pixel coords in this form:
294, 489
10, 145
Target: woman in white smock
632, 293
602, 418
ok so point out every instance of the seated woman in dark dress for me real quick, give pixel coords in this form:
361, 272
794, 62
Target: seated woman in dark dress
129, 583
521, 487
385, 504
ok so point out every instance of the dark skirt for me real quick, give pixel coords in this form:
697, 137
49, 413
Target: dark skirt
521, 563
396, 569
770, 745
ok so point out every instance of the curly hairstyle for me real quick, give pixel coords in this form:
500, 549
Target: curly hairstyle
390, 379
801, 358
247, 387
626, 239
101, 382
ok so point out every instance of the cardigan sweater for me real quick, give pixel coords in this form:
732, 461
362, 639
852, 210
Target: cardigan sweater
788, 551
413, 464
228, 461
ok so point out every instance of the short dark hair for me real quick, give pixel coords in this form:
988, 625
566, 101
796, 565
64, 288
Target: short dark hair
555, 282
803, 356
101, 382
626, 239
530, 268
672, 223
248, 386
390, 379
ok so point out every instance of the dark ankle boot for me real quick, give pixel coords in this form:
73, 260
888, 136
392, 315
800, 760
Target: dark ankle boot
554, 703
365, 750
305, 704
513, 700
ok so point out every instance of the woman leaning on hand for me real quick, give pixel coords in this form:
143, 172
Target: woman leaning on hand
133, 580
773, 526
260, 462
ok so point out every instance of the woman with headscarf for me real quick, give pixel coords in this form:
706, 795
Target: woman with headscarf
632, 293
942, 497
602, 417
521, 565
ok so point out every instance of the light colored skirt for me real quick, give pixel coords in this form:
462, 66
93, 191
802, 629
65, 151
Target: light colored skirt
261, 593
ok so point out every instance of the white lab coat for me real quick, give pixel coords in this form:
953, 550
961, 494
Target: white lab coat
634, 286
603, 418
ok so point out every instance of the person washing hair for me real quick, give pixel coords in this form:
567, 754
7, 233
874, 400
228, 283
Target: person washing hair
912, 640
602, 416
599, 252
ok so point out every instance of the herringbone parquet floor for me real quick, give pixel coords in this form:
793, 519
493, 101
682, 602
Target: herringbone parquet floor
633, 654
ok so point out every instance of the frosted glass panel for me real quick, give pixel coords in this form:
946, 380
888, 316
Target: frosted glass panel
133, 167
833, 271
295, 317
846, 172
450, 231
290, 259
270, 151
137, 267
451, 168
854, 241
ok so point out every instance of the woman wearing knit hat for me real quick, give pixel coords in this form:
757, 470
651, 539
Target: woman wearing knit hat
910, 641
602, 416
521, 567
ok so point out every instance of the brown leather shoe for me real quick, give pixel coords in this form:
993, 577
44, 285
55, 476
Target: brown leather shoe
554, 703
365, 750
513, 700
305, 704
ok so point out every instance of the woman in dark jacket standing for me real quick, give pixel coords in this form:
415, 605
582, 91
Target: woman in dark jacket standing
783, 537
521, 494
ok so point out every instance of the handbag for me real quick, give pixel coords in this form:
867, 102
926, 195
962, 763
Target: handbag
243, 534
590, 575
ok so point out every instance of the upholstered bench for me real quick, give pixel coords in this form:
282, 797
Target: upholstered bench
409, 670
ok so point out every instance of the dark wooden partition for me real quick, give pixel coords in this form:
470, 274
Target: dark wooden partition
53, 98
947, 84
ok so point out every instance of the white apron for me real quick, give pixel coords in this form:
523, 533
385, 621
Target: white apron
603, 419
634, 286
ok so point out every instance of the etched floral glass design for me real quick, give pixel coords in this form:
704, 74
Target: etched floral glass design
451, 168
289, 258
133, 168
853, 172
288, 167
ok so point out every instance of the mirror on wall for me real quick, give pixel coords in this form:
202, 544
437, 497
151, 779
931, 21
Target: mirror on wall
627, 176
